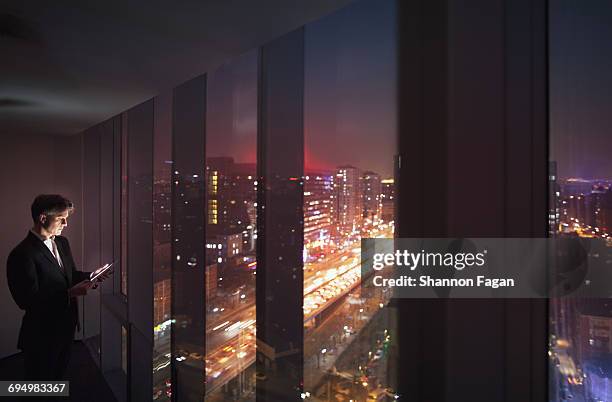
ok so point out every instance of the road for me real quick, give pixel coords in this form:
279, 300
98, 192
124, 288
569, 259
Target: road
231, 336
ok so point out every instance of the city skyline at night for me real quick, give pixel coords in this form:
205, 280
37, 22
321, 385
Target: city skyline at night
344, 104
246, 166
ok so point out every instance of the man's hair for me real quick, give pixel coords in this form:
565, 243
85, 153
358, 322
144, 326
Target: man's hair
50, 205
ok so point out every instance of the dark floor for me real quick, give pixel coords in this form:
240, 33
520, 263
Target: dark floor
86, 381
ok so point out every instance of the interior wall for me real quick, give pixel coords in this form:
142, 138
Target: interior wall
31, 165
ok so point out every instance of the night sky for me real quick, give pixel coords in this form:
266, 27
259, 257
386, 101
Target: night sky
350, 88
350, 78
349, 93
581, 87
231, 119
350, 114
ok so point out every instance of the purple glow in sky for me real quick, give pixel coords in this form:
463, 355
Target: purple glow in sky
349, 105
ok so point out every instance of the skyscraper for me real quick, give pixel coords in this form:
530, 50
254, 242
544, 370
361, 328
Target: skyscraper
231, 194
388, 199
318, 210
371, 194
349, 202
244, 187
554, 191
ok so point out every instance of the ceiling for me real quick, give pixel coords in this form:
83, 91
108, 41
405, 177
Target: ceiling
67, 64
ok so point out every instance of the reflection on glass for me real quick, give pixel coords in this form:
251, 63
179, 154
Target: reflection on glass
280, 219
348, 195
188, 241
231, 202
580, 183
124, 202
162, 220
124, 349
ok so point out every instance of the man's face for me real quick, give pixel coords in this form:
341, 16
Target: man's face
54, 224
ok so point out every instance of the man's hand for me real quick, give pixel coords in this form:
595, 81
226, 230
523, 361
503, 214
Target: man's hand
100, 279
103, 276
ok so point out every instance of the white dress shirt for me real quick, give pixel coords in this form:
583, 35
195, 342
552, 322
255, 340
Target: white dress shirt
50, 243
52, 246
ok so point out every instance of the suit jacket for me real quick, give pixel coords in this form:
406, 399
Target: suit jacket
40, 287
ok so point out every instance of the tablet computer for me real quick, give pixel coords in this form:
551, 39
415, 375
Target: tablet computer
100, 271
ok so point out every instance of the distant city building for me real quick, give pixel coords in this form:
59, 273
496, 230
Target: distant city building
162, 301
220, 247
349, 200
595, 336
162, 201
218, 172
388, 200
227, 190
593, 209
244, 188
602, 209
249, 235
576, 186
211, 281
318, 210
555, 193
578, 207
372, 197
244, 183
161, 257
231, 194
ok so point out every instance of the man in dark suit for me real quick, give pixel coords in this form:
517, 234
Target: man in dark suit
40, 273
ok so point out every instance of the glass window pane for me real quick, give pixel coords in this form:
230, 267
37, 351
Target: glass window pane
350, 141
140, 248
124, 203
580, 341
162, 202
188, 241
92, 203
124, 349
280, 219
231, 201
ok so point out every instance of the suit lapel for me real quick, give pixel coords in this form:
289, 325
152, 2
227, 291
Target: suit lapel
42, 248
